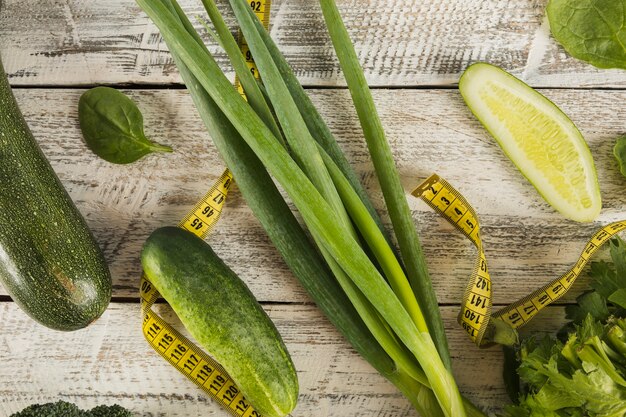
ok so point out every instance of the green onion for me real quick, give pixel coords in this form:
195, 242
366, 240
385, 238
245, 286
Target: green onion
284, 230
305, 150
283, 100
379, 246
250, 86
321, 192
318, 128
399, 212
296, 133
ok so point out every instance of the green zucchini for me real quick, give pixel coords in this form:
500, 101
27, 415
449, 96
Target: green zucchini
220, 312
50, 263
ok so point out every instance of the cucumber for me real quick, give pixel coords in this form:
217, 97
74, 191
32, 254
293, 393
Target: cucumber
50, 263
220, 312
542, 142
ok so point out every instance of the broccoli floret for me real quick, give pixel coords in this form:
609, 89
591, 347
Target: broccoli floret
58, 409
109, 411
65, 409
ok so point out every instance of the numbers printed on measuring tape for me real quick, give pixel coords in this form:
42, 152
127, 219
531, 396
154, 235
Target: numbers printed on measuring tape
207, 211
175, 348
193, 362
262, 10
475, 315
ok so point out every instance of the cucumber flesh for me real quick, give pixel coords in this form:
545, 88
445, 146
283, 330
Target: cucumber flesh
538, 138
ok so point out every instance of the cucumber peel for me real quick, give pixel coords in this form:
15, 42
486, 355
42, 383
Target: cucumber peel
538, 138
222, 315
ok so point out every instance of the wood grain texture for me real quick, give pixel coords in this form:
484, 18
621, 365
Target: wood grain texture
400, 42
527, 243
109, 362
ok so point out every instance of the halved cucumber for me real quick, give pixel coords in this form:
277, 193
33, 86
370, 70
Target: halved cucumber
538, 137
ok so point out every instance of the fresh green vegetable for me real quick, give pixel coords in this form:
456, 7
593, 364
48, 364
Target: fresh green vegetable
591, 30
538, 138
608, 284
308, 156
112, 126
319, 130
387, 173
109, 411
582, 377
250, 85
50, 264
300, 255
583, 373
365, 309
65, 409
425, 380
221, 313
619, 151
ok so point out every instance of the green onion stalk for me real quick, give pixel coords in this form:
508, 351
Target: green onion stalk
383, 303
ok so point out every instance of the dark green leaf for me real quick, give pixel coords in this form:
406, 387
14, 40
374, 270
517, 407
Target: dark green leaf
618, 255
619, 298
619, 150
534, 355
609, 288
112, 126
591, 30
588, 303
604, 280
509, 374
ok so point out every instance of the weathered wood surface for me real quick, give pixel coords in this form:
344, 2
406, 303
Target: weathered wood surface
527, 243
109, 362
400, 43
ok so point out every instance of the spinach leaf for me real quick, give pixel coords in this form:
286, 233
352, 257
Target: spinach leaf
619, 150
591, 30
112, 126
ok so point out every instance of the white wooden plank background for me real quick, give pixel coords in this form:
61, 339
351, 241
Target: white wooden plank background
52, 48
400, 42
109, 362
429, 130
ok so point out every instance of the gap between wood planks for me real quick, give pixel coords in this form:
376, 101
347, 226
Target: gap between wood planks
131, 299
178, 86
135, 300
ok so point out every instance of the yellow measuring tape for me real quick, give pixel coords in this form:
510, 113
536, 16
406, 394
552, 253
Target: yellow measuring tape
175, 348
475, 316
262, 9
